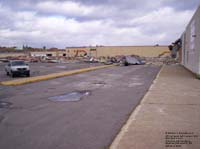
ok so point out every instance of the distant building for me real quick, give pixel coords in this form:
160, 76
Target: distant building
109, 51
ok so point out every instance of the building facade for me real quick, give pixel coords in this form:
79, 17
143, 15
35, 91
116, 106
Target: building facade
110, 51
191, 44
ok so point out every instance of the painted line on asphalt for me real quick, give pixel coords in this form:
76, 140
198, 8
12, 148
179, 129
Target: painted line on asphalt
51, 76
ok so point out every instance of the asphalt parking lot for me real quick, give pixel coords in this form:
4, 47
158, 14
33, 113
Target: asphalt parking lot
33, 121
38, 69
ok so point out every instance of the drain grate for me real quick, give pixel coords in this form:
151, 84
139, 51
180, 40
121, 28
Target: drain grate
72, 96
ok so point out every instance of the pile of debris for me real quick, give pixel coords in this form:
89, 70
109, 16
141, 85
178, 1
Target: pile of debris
121, 60
132, 60
161, 60
42, 59
24, 58
164, 58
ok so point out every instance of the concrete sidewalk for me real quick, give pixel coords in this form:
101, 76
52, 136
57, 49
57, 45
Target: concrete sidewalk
168, 116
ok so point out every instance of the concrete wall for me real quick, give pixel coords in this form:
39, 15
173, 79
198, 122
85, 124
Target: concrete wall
191, 44
145, 51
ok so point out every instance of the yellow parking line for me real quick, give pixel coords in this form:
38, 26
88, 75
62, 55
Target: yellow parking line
51, 76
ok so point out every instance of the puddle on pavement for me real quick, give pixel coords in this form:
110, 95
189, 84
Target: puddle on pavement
72, 96
4, 104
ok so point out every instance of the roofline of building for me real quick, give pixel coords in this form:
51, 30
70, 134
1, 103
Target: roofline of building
118, 46
196, 11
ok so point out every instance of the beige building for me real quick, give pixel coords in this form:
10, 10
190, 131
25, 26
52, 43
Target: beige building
104, 51
48, 53
144, 51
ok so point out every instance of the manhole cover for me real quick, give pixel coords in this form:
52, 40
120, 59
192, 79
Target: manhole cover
73, 96
4, 104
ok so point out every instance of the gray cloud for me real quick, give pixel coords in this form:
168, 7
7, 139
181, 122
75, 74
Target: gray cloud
86, 22
183, 4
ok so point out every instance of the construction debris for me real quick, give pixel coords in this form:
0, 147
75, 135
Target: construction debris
161, 61
163, 58
132, 60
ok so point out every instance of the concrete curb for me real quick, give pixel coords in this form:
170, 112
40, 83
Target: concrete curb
51, 76
132, 117
152, 85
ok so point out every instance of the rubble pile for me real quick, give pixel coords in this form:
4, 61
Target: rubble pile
24, 58
43, 59
120, 59
160, 60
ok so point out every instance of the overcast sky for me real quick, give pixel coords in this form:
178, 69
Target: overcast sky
61, 23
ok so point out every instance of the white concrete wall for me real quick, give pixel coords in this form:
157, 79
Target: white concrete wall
191, 44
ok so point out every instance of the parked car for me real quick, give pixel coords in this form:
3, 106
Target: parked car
17, 67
